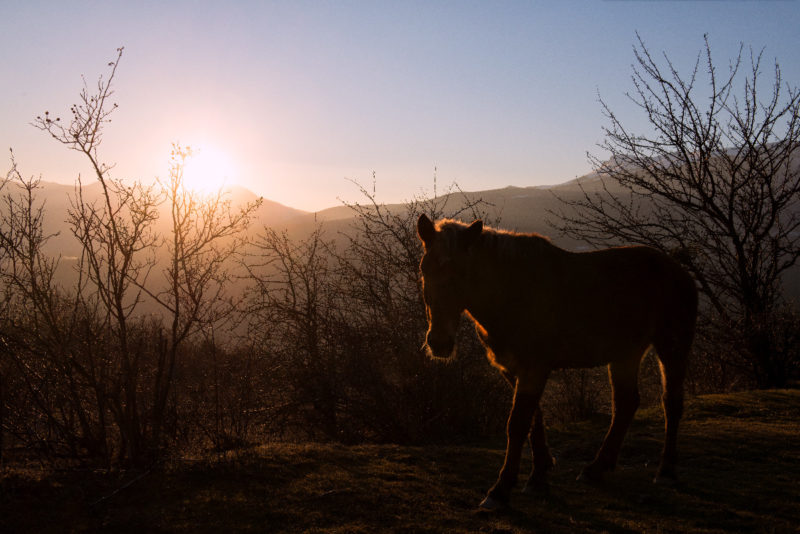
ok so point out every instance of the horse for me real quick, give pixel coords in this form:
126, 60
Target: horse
537, 307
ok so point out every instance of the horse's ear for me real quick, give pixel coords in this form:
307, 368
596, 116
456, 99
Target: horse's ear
426, 230
473, 231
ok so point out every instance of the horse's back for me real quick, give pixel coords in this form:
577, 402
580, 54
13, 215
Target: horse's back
635, 270
614, 303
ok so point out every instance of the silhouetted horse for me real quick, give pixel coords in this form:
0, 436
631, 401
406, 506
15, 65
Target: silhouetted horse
537, 308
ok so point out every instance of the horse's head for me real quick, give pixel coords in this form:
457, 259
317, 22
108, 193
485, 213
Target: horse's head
443, 280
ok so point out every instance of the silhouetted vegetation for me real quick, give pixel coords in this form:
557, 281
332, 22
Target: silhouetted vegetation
345, 324
716, 181
90, 374
141, 350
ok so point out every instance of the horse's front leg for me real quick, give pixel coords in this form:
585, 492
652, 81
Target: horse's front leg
527, 393
543, 461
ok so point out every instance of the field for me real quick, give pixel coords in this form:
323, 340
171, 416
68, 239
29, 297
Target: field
740, 472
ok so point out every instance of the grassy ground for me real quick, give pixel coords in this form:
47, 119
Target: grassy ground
740, 471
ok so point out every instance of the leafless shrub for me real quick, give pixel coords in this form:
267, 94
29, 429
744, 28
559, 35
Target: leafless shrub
575, 395
98, 374
344, 320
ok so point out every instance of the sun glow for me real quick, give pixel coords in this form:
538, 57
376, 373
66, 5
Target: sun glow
208, 169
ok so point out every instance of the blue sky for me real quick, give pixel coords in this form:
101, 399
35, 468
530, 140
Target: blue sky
299, 96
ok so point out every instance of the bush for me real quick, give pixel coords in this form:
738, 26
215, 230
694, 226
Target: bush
345, 328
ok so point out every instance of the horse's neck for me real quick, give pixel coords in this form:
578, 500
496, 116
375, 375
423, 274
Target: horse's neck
499, 275
489, 282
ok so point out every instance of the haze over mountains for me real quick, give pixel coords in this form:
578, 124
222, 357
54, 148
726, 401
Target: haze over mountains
523, 209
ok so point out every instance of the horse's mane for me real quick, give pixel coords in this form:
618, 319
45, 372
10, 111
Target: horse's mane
501, 243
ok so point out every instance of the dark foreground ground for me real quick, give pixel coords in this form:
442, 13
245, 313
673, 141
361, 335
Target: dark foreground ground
740, 472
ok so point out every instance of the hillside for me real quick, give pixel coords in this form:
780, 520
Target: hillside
519, 208
739, 470
56, 200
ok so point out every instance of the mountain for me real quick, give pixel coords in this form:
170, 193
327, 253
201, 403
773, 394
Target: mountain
522, 209
525, 209
270, 213
57, 199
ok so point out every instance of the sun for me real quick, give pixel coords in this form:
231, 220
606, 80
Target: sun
208, 169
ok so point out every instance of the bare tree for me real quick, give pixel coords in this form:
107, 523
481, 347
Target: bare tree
716, 177
118, 243
62, 407
291, 315
206, 234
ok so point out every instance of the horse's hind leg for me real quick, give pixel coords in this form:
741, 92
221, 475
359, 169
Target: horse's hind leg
673, 371
624, 378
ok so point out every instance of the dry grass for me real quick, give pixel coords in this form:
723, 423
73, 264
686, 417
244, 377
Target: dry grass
740, 472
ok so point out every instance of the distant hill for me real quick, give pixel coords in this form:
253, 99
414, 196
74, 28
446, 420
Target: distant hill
518, 208
522, 209
57, 200
270, 213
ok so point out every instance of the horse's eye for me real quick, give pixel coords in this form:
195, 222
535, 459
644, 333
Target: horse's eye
436, 265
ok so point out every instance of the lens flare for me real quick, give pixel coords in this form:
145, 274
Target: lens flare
208, 170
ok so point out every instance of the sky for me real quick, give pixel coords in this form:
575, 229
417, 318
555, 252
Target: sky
295, 100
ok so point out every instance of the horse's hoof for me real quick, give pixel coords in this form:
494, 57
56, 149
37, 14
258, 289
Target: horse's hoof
536, 487
590, 476
666, 480
491, 504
